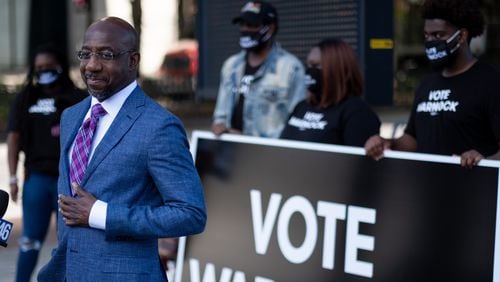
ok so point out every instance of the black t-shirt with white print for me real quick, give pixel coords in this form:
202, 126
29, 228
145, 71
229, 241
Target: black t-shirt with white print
452, 115
351, 122
243, 89
37, 121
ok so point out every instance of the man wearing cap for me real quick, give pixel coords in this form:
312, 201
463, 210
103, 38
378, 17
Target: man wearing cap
260, 85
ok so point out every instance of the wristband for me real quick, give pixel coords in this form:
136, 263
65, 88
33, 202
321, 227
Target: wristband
13, 179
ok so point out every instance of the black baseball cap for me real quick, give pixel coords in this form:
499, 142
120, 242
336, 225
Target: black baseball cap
257, 13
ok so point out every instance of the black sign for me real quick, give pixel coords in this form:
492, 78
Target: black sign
293, 211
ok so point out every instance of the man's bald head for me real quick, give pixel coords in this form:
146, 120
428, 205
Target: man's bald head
128, 34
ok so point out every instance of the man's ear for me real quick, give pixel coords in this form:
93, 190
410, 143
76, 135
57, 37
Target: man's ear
272, 28
134, 59
464, 36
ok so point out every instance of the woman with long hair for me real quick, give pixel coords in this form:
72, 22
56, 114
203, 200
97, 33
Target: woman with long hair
334, 111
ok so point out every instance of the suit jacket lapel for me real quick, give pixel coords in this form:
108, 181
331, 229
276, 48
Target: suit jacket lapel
128, 114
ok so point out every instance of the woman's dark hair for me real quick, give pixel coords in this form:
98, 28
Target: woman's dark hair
342, 76
460, 13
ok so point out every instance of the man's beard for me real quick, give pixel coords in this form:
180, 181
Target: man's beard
100, 95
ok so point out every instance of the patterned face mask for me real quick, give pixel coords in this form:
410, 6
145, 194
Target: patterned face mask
442, 53
254, 40
48, 76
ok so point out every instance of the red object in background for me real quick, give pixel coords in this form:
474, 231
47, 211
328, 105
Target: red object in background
181, 62
80, 3
179, 70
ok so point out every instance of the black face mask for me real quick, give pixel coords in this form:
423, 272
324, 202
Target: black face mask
442, 53
314, 82
255, 40
48, 77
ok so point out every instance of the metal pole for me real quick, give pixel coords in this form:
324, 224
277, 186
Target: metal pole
13, 33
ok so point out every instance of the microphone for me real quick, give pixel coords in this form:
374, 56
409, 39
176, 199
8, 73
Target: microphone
5, 226
4, 202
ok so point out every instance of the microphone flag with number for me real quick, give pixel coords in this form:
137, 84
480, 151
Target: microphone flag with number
5, 226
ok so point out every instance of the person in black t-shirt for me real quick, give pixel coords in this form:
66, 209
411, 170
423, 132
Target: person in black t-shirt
33, 128
456, 110
333, 111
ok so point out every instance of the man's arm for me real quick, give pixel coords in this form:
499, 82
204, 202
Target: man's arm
170, 166
13, 147
376, 145
297, 86
495, 156
221, 114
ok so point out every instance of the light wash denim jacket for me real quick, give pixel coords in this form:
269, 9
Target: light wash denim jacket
277, 87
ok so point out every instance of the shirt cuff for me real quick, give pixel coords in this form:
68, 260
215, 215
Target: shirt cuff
97, 217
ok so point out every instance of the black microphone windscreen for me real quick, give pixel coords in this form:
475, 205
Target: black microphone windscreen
4, 202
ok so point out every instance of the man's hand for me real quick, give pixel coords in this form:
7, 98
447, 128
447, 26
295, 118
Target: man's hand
76, 210
219, 128
470, 158
375, 146
233, 131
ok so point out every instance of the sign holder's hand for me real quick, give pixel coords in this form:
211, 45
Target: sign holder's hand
470, 158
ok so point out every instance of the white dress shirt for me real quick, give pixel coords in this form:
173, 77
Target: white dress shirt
112, 105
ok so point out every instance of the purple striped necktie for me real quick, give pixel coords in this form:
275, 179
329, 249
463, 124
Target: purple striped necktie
83, 145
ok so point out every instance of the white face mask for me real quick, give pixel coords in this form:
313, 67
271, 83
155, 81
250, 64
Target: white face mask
48, 76
254, 39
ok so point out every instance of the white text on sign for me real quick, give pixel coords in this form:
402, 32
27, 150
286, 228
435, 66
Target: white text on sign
263, 226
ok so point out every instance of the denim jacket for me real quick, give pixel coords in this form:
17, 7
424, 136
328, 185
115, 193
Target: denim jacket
277, 87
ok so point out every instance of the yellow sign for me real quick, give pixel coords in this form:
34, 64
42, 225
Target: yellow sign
381, 43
